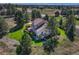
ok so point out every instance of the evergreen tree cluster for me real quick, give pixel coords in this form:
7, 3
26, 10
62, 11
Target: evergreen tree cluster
35, 14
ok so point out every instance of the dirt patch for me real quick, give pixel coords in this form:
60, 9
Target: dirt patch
8, 46
37, 50
68, 48
11, 23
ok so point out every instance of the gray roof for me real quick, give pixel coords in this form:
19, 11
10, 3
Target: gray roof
38, 21
40, 26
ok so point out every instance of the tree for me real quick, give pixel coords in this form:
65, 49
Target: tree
57, 13
61, 23
52, 26
3, 27
46, 17
25, 45
25, 17
10, 9
24, 9
18, 18
38, 15
70, 26
63, 12
50, 44
35, 14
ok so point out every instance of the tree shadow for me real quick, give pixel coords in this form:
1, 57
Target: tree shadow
2, 34
36, 41
17, 27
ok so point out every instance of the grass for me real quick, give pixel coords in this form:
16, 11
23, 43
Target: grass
17, 35
58, 19
62, 32
63, 37
77, 22
2, 44
37, 43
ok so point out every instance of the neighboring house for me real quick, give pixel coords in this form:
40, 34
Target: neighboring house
29, 10
20, 9
3, 11
39, 27
43, 15
77, 16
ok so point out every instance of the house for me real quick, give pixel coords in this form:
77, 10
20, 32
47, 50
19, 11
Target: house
39, 27
3, 11
43, 15
29, 10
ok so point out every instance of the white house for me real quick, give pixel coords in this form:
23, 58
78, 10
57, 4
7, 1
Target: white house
39, 27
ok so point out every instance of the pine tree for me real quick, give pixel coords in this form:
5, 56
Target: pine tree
70, 26
18, 18
51, 43
35, 14
25, 45
61, 24
38, 15
52, 26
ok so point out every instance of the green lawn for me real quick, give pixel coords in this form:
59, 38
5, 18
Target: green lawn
37, 43
77, 22
63, 35
17, 35
62, 32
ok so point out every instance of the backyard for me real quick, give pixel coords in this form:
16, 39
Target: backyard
39, 31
